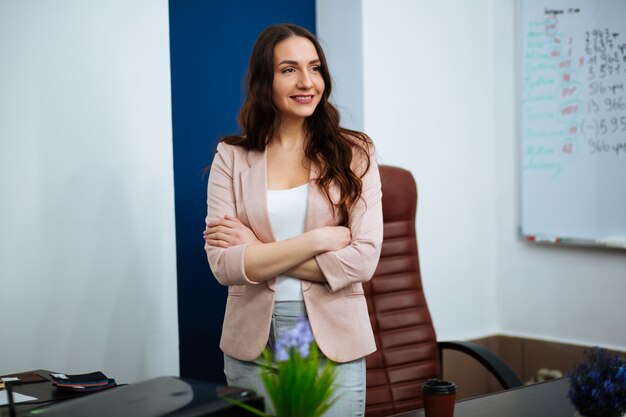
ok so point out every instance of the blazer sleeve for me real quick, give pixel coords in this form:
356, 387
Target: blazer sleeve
226, 263
357, 262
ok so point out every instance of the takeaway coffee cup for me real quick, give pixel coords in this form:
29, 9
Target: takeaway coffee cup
439, 397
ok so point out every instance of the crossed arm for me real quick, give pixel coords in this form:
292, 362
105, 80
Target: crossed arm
333, 255
294, 257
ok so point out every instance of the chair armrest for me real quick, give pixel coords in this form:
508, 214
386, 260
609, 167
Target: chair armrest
496, 366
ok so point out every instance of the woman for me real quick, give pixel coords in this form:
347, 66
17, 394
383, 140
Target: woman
294, 222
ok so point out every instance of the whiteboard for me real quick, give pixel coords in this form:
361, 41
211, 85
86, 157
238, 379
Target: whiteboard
573, 121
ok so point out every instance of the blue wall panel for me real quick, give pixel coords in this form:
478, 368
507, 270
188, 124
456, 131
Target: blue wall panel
210, 43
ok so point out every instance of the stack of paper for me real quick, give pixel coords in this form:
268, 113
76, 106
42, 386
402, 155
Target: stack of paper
82, 383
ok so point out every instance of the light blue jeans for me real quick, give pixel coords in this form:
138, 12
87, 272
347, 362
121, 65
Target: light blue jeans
350, 381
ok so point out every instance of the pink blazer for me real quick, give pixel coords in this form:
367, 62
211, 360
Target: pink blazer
337, 310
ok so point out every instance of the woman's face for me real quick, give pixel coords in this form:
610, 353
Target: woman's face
298, 84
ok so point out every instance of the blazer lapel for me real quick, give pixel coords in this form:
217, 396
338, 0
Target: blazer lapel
318, 210
254, 196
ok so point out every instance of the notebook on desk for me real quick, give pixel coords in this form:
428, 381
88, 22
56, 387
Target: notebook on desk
23, 378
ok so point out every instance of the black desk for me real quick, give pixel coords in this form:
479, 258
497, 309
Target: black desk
152, 397
545, 399
43, 391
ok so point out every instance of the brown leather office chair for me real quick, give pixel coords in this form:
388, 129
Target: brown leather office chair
408, 352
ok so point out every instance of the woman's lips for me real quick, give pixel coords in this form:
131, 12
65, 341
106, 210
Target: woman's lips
302, 99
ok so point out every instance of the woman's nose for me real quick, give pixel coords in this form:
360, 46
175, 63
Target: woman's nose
305, 81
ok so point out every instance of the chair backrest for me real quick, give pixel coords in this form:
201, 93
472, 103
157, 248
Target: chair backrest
407, 345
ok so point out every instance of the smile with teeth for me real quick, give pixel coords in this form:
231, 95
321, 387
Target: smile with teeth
302, 99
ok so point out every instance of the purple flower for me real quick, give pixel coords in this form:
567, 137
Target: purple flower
280, 353
299, 337
598, 386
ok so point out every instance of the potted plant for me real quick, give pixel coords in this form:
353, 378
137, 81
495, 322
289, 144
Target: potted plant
295, 384
598, 384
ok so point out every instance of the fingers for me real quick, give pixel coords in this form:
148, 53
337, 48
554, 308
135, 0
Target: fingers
226, 226
227, 232
216, 223
218, 243
218, 229
218, 236
228, 219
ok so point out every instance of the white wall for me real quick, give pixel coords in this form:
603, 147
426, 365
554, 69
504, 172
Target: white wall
87, 245
429, 106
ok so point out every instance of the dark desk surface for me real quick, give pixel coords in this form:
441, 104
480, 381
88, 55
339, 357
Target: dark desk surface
43, 391
47, 394
546, 399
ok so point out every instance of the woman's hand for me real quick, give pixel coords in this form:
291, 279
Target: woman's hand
228, 232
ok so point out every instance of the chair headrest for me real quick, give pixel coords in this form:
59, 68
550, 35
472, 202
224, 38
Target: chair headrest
399, 194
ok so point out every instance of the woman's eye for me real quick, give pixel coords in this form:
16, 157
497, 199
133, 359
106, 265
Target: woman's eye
288, 70
316, 69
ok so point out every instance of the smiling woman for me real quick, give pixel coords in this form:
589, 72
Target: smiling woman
298, 84
294, 222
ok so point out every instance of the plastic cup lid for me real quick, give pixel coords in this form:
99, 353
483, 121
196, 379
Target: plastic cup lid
436, 386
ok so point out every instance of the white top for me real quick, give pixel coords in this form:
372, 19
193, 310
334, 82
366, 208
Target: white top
287, 211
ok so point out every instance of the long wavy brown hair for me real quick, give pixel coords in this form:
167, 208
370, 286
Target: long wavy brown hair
331, 147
